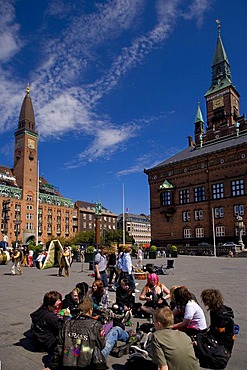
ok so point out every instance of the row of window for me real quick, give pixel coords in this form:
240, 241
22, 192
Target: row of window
90, 226
238, 210
199, 232
218, 192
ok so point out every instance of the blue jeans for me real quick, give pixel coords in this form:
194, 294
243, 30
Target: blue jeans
115, 334
104, 279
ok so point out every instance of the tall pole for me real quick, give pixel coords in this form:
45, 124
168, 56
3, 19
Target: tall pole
37, 206
123, 219
213, 232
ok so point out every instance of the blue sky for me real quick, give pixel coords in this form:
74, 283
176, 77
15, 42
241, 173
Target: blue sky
114, 84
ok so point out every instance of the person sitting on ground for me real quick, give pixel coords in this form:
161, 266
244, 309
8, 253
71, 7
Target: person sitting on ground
154, 293
82, 290
71, 301
99, 297
193, 315
171, 349
125, 300
221, 318
84, 332
45, 323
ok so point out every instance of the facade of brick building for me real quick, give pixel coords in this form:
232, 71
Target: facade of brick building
199, 194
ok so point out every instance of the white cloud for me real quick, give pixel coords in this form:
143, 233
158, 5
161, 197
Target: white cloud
10, 42
65, 92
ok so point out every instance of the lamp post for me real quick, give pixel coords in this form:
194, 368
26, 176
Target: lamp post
239, 225
17, 226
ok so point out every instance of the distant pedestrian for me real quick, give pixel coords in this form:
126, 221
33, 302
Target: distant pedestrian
100, 265
65, 262
139, 256
16, 262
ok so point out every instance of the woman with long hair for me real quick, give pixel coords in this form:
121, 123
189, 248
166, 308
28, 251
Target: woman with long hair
154, 293
193, 315
99, 296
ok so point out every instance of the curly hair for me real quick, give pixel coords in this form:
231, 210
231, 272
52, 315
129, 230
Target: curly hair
182, 296
212, 298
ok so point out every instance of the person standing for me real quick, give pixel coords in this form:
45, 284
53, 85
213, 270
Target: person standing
100, 265
139, 256
127, 267
30, 258
112, 262
16, 262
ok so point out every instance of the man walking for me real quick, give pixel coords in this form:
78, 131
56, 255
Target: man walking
100, 265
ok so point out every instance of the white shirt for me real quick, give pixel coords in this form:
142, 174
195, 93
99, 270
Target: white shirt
195, 314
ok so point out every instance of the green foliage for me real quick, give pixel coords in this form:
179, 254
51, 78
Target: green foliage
134, 248
153, 248
90, 249
83, 237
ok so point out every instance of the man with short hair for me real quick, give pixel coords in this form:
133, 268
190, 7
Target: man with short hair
171, 349
100, 265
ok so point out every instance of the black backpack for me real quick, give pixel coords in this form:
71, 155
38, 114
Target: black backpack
210, 353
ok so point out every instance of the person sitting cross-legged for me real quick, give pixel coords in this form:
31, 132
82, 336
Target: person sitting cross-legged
171, 349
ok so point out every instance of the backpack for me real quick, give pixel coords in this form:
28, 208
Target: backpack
210, 353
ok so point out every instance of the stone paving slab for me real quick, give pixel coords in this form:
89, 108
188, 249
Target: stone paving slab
21, 295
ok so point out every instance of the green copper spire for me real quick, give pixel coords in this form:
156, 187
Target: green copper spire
221, 74
198, 117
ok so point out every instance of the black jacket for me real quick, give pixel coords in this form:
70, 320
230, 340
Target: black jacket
45, 328
124, 297
77, 340
68, 302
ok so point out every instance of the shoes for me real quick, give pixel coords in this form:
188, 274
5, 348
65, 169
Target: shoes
135, 349
136, 290
134, 339
120, 351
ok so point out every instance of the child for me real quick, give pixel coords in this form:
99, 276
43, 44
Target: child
171, 349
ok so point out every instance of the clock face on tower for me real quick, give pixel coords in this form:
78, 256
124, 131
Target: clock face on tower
218, 103
31, 143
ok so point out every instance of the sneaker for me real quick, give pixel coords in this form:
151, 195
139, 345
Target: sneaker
135, 349
120, 351
136, 290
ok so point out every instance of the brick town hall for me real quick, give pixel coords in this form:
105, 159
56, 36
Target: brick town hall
199, 195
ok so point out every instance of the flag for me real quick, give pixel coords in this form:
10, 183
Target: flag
127, 210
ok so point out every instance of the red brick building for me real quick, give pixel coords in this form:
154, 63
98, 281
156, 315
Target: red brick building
197, 195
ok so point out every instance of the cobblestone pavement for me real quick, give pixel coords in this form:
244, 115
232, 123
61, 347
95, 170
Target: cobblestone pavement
20, 295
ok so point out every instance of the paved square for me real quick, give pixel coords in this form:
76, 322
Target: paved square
21, 295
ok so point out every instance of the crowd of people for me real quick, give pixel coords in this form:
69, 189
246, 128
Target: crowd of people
83, 329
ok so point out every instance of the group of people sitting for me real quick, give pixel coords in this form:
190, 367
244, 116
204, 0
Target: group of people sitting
81, 330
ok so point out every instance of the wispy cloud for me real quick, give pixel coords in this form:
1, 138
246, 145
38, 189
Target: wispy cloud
10, 42
78, 67
147, 161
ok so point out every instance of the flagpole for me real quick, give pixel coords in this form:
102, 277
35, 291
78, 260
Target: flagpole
37, 206
123, 219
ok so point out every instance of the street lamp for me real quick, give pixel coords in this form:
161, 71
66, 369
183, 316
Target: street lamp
239, 225
17, 226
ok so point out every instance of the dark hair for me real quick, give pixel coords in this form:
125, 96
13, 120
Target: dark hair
82, 290
182, 296
212, 298
50, 299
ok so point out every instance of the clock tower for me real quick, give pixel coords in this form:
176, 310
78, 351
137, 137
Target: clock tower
26, 162
222, 99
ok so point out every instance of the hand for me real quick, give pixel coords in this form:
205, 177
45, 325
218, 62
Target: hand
98, 276
148, 299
